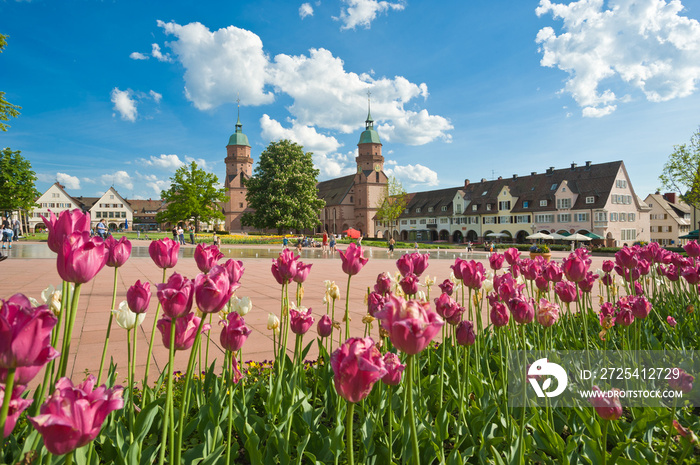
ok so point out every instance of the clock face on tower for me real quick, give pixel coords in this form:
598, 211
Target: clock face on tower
377, 168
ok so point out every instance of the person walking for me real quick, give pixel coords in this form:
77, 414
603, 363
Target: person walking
181, 235
324, 244
175, 238
16, 229
192, 235
102, 229
332, 243
391, 246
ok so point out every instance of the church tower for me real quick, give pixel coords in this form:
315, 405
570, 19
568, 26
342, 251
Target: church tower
370, 181
239, 167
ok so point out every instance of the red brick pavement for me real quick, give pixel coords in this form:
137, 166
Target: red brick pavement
31, 276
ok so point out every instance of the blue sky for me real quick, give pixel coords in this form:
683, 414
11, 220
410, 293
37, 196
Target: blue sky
123, 92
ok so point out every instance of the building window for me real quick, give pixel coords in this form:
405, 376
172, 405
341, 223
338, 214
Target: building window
489, 220
240, 204
406, 210
488, 206
98, 214
622, 216
522, 219
543, 203
620, 183
564, 218
443, 220
504, 219
613, 216
123, 214
554, 186
504, 205
111, 214
563, 203
418, 210
422, 221
581, 217
443, 208
544, 218
404, 222
474, 207
629, 234
631, 216
458, 208
601, 216
590, 199
430, 209
413, 221
526, 204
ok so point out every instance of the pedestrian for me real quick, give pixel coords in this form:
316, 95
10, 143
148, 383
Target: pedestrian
181, 235
415, 246
102, 229
332, 243
391, 246
359, 240
6, 232
16, 229
324, 244
192, 235
138, 233
285, 242
299, 244
175, 238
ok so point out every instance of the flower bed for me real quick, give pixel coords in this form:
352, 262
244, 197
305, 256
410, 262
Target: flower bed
393, 395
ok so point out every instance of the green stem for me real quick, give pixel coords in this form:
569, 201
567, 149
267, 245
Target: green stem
412, 412
667, 447
130, 380
391, 425
229, 355
69, 458
150, 349
168, 394
442, 366
347, 310
9, 386
67, 335
604, 444
109, 325
184, 404
348, 432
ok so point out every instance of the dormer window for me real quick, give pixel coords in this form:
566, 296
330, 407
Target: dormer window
484, 193
474, 207
430, 209
526, 204
444, 208
488, 206
590, 199
543, 203
418, 210
554, 186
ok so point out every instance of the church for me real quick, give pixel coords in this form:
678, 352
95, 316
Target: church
351, 201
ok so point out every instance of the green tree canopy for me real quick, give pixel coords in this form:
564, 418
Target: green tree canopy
7, 110
193, 195
17, 190
283, 189
681, 172
392, 203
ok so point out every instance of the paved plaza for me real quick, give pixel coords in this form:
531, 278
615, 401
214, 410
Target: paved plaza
31, 275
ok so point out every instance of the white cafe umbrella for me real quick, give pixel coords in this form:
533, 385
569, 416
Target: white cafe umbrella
557, 236
577, 237
497, 235
539, 235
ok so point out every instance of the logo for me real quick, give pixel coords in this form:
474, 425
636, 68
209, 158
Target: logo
542, 368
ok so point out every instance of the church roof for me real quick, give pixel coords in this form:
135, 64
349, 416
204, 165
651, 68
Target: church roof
334, 191
238, 138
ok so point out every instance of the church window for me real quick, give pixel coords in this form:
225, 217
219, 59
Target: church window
351, 199
240, 204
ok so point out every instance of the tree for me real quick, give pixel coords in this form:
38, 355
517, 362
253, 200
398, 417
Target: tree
392, 203
17, 190
7, 110
283, 189
681, 172
193, 195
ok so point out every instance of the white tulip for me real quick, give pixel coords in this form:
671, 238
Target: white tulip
273, 322
241, 306
126, 318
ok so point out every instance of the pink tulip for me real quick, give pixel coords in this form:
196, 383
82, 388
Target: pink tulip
447, 287
394, 369
164, 252
415, 263
692, 248
671, 272
383, 285
608, 266
465, 333
638, 289
496, 261
17, 406
506, 287
235, 272
574, 268
443, 302
671, 321
458, 267
607, 279
547, 313
284, 268
118, 252
644, 266
352, 259
206, 256
235, 371
511, 255
683, 382
25, 334
375, 302
624, 316
176, 296
138, 296
566, 291
499, 314
302, 272
212, 291
409, 284
411, 325
185, 330
473, 274
530, 269
685, 432
626, 258
553, 272
234, 332
325, 326
542, 283
73, 415
691, 275
81, 257
68, 222
357, 364
587, 283
628, 274
607, 406
606, 310
522, 310
300, 320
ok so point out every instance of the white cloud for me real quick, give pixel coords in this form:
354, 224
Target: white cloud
138, 56
201, 163
306, 136
71, 182
155, 183
306, 10
89, 181
334, 165
164, 162
155, 96
363, 12
413, 175
220, 65
118, 179
158, 55
640, 45
124, 104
